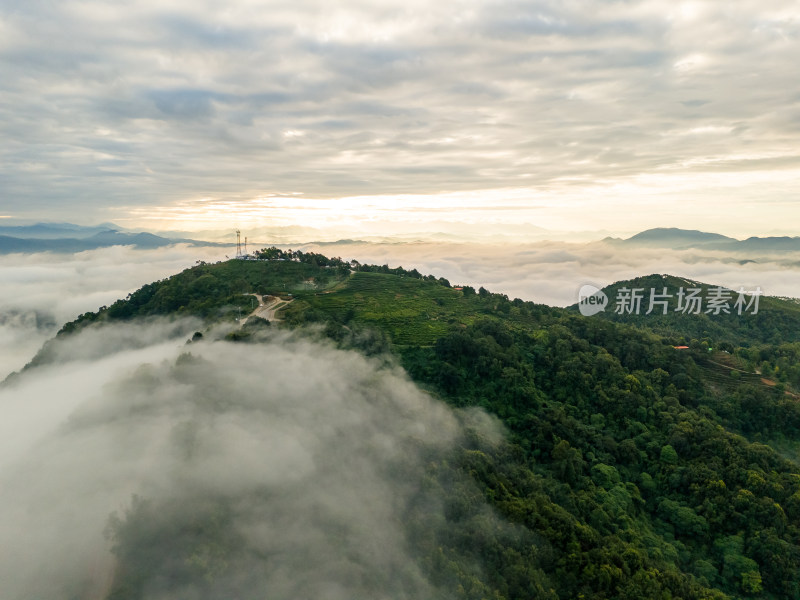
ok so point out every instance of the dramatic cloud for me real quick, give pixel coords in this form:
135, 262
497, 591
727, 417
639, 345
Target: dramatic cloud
575, 109
286, 466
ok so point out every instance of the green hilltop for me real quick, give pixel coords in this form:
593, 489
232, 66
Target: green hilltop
634, 469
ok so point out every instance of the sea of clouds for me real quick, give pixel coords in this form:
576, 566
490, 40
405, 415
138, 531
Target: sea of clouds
42, 291
551, 272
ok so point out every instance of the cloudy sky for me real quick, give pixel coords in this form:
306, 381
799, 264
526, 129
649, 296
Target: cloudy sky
563, 114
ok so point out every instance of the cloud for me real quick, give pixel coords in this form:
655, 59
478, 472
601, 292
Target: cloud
552, 272
42, 291
150, 104
300, 463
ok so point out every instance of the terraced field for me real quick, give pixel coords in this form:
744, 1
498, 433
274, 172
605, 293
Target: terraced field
409, 310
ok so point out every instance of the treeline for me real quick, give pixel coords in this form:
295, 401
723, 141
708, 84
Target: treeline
309, 258
315, 259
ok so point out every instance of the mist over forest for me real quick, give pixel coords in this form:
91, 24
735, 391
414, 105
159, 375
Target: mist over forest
309, 460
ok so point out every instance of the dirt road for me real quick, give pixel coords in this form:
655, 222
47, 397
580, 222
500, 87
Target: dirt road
267, 308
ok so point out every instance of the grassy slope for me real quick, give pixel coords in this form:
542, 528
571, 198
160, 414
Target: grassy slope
410, 311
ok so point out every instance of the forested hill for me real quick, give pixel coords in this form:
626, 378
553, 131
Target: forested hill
637, 470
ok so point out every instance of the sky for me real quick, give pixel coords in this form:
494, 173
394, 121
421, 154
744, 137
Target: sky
406, 117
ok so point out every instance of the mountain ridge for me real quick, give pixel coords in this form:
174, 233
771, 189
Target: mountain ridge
685, 239
90, 238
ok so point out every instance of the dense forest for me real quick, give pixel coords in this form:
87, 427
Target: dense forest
630, 469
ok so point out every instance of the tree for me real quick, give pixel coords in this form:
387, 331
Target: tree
668, 455
567, 461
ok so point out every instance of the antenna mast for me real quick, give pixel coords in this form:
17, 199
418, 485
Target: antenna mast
238, 244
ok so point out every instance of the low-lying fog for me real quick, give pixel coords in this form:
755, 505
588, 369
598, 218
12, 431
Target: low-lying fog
304, 450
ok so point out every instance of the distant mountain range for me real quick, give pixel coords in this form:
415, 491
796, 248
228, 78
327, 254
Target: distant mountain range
684, 239
53, 231
66, 237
